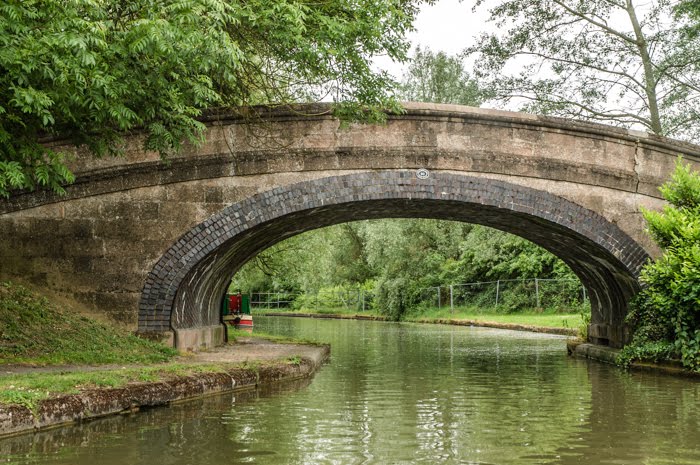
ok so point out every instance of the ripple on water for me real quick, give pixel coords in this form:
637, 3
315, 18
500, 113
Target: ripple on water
405, 394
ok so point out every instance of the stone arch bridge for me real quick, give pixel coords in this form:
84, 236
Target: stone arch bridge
154, 244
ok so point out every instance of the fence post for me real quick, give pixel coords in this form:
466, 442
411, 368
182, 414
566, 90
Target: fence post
452, 305
363, 300
498, 288
438, 288
537, 292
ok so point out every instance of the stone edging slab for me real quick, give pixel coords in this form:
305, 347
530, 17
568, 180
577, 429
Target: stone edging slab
88, 405
604, 354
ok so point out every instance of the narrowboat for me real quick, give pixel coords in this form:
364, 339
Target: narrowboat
236, 311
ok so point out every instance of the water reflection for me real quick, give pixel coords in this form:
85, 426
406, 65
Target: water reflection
404, 393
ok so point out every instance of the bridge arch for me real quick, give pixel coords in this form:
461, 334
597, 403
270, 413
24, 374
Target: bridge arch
148, 242
183, 290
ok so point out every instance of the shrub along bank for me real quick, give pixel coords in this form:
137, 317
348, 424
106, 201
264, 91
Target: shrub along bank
666, 313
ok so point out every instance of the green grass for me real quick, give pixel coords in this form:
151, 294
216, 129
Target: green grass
546, 318
32, 331
29, 389
235, 334
533, 318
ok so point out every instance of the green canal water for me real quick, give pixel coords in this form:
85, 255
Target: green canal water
406, 393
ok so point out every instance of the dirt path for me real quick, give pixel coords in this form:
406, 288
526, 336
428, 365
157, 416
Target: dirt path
254, 349
246, 349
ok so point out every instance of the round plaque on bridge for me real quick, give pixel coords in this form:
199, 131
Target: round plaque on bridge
422, 173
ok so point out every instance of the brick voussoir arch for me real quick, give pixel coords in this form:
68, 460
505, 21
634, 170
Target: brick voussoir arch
184, 288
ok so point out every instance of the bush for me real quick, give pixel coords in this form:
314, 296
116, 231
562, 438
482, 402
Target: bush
665, 315
395, 296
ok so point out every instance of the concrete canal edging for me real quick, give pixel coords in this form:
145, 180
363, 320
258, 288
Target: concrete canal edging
440, 321
496, 325
97, 403
579, 349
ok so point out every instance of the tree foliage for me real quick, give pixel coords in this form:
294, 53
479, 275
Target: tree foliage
93, 71
612, 61
689, 10
396, 260
666, 314
439, 78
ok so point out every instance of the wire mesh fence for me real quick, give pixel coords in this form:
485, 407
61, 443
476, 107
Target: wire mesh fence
508, 295
272, 300
505, 295
323, 299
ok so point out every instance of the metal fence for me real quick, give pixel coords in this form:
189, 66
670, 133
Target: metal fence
271, 300
511, 294
355, 299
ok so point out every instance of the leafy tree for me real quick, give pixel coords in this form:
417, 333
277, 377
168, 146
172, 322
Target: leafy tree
487, 254
603, 60
325, 257
92, 71
666, 314
690, 10
439, 78
398, 259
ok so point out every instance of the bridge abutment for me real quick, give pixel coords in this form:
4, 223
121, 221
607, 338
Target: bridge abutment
615, 336
204, 337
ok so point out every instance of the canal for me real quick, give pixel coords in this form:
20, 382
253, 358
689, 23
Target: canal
406, 393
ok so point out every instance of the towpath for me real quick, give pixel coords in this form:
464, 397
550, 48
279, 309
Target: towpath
245, 349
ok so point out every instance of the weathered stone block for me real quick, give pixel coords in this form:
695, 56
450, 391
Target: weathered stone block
139, 234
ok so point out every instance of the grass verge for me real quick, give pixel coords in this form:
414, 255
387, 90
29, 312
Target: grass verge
29, 389
34, 332
549, 319
545, 318
235, 334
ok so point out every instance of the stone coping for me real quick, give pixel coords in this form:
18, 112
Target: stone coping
319, 110
96, 403
604, 354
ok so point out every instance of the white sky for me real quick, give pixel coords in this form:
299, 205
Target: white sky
451, 26
448, 26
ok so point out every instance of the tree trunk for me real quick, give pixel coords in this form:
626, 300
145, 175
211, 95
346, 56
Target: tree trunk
649, 78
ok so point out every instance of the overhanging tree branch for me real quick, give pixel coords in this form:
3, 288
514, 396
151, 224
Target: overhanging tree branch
643, 72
